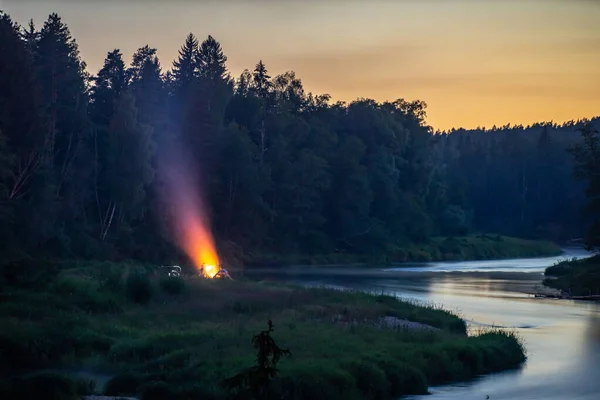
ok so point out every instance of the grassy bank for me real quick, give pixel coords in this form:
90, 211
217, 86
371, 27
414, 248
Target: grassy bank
576, 277
153, 334
475, 247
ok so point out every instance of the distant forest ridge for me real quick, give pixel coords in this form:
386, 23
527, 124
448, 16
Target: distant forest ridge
85, 160
549, 124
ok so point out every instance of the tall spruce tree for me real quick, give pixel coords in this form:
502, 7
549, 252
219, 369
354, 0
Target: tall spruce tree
129, 169
147, 86
63, 80
185, 68
111, 81
211, 60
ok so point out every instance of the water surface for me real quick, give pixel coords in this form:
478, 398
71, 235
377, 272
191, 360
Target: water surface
562, 337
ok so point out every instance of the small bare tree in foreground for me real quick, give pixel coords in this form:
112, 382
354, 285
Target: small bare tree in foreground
255, 380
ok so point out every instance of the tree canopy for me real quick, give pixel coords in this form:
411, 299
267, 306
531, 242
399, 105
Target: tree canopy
281, 170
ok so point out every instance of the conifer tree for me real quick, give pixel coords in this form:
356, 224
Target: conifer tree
147, 86
587, 167
211, 60
111, 81
129, 170
185, 68
63, 81
243, 84
261, 81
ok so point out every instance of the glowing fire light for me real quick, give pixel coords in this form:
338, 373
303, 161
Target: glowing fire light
210, 271
196, 240
189, 223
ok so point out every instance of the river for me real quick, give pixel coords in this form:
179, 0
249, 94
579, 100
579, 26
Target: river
562, 337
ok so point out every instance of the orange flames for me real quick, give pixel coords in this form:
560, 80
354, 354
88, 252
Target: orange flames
189, 223
196, 240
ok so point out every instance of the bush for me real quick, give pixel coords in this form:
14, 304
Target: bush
197, 392
85, 387
28, 273
403, 378
158, 391
42, 385
578, 277
370, 379
315, 382
87, 295
172, 285
123, 385
138, 287
35, 347
111, 276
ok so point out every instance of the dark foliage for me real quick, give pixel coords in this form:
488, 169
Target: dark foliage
587, 167
255, 380
42, 385
172, 284
28, 273
575, 277
191, 346
123, 385
517, 180
138, 287
158, 391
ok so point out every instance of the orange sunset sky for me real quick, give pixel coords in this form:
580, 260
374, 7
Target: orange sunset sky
475, 62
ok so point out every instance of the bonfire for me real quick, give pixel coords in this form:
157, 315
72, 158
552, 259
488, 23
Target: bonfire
188, 217
213, 271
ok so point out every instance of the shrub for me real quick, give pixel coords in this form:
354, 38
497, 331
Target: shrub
370, 379
85, 387
315, 382
123, 385
172, 285
158, 391
403, 378
28, 273
111, 276
37, 347
138, 287
87, 295
197, 392
42, 385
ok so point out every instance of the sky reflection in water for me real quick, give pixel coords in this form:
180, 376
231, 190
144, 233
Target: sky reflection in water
562, 337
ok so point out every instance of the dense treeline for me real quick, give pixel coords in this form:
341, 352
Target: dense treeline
281, 170
517, 180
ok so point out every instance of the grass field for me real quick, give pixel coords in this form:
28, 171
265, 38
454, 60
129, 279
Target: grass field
151, 334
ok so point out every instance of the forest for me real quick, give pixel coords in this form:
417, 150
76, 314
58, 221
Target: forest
280, 170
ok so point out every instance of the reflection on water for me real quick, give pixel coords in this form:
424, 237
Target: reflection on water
562, 337
511, 265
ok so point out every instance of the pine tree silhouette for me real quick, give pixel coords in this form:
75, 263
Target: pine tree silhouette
255, 380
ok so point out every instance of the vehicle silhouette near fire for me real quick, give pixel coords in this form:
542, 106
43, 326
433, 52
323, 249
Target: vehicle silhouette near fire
173, 270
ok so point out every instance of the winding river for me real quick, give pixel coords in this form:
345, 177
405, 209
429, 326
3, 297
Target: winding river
562, 337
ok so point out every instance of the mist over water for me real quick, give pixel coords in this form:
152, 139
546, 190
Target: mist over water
562, 337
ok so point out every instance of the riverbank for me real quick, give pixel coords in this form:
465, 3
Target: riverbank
184, 336
464, 248
575, 277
